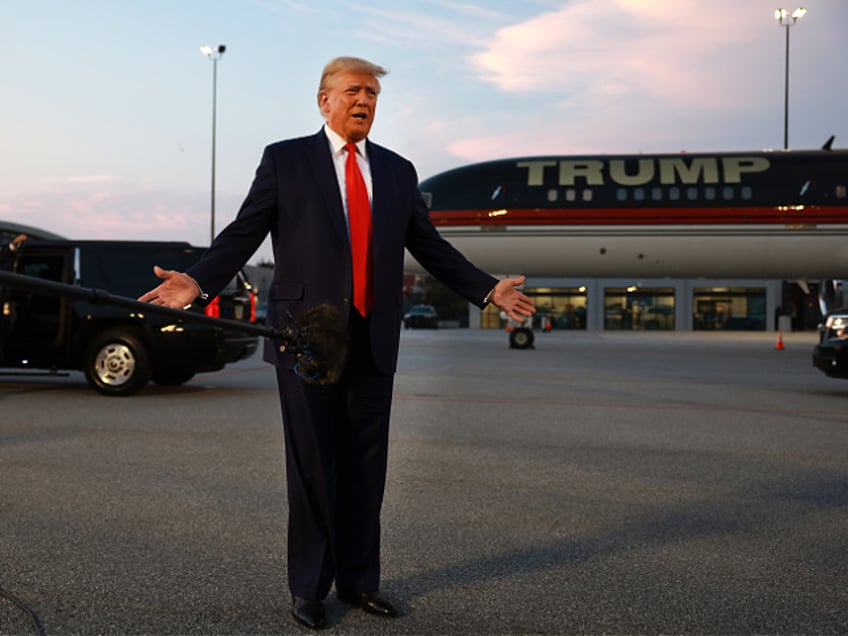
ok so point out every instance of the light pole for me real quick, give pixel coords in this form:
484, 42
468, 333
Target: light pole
213, 54
783, 19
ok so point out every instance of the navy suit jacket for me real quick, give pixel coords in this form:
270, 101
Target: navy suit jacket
295, 196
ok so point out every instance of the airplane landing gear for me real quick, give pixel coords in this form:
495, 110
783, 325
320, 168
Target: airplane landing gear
521, 338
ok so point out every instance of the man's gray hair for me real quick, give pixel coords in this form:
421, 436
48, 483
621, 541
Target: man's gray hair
348, 65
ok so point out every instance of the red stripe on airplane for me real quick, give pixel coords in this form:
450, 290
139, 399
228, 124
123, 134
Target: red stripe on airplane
645, 216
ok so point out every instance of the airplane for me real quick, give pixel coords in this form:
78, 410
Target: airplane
758, 214
780, 214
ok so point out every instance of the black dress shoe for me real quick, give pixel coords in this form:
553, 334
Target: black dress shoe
309, 613
371, 602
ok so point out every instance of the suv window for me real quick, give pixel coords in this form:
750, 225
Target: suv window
129, 271
47, 266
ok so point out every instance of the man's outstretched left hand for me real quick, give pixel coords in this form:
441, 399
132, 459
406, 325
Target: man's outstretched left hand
507, 297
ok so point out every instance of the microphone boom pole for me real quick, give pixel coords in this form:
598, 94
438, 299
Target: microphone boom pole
101, 297
318, 340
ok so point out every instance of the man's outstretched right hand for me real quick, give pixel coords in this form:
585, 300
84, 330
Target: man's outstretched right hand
177, 291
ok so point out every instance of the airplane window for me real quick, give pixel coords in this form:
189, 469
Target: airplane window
587, 195
727, 193
570, 195
674, 193
621, 194
747, 193
552, 195
639, 194
709, 193
841, 192
692, 193
656, 194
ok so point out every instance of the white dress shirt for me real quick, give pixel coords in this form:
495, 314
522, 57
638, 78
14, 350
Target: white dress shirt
337, 146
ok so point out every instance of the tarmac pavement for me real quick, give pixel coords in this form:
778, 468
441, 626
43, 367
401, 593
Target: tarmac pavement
618, 483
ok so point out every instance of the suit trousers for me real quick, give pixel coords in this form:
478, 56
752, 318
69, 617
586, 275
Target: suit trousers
336, 439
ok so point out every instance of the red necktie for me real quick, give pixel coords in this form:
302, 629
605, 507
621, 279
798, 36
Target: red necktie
359, 218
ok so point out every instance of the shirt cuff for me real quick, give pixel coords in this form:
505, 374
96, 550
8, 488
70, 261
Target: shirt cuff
201, 294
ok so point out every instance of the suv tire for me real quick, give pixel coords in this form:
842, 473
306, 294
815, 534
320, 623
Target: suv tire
116, 363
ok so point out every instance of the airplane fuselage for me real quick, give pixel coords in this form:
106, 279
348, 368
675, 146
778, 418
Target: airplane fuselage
772, 214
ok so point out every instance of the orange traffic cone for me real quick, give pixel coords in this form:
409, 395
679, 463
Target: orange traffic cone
779, 345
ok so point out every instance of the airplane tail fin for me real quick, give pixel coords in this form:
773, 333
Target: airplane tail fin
828, 145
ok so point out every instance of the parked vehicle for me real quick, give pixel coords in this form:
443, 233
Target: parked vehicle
831, 353
421, 316
119, 350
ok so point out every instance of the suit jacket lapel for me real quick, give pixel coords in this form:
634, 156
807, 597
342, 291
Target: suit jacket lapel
321, 159
379, 204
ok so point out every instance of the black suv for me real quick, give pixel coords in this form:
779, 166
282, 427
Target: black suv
118, 349
831, 353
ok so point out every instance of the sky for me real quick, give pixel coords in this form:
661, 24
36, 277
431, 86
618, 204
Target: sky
106, 109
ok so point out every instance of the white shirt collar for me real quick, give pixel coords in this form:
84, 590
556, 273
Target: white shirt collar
337, 142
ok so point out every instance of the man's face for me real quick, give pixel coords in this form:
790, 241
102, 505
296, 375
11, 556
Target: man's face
349, 104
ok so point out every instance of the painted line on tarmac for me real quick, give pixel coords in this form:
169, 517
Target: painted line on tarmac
619, 405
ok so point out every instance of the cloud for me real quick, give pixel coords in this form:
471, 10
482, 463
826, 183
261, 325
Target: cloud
122, 211
614, 49
411, 28
284, 7
472, 10
595, 76
97, 213
92, 178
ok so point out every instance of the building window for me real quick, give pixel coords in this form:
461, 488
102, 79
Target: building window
557, 308
639, 309
729, 308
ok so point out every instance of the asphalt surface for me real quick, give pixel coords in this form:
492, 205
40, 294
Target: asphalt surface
602, 483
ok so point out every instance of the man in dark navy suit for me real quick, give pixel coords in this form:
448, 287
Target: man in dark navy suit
340, 210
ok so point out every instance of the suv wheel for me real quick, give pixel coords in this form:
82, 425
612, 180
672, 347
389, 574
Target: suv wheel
116, 363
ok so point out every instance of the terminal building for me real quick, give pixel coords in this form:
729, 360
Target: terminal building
610, 304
